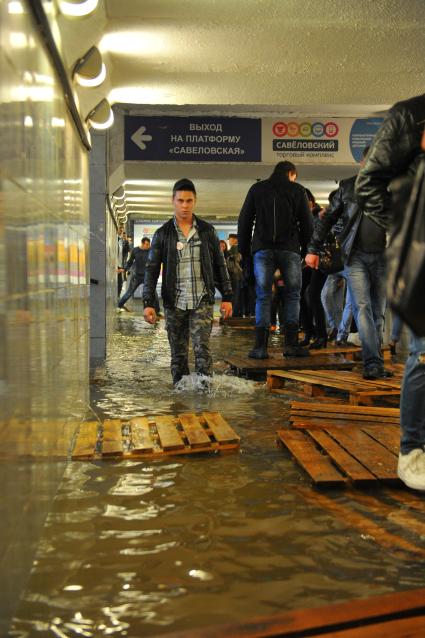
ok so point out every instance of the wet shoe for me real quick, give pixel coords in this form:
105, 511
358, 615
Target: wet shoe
376, 372
341, 343
332, 334
411, 469
319, 343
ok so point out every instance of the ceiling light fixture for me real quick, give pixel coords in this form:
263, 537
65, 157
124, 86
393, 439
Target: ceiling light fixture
101, 117
77, 8
90, 70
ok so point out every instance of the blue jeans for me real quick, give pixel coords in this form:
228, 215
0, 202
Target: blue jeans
265, 263
396, 328
339, 313
366, 283
412, 403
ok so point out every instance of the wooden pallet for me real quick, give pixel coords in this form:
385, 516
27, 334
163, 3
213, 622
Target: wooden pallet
400, 614
318, 415
315, 383
154, 437
337, 443
354, 353
239, 322
245, 367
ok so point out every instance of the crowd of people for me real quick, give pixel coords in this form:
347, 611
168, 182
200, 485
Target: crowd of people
278, 252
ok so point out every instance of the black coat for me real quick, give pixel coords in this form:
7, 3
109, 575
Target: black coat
395, 152
342, 207
164, 251
281, 215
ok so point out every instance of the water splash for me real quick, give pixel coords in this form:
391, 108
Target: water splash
218, 385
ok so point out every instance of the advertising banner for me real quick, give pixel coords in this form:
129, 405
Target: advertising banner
317, 140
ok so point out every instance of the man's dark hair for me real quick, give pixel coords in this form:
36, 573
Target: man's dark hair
365, 151
145, 239
282, 169
184, 184
232, 236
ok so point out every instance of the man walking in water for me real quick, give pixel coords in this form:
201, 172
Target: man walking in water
188, 249
275, 225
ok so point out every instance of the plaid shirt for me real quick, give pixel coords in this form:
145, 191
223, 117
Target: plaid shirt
190, 285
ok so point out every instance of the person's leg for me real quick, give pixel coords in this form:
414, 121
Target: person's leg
332, 301
396, 330
411, 465
289, 264
264, 268
134, 284
378, 296
347, 315
177, 326
237, 298
314, 290
156, 302
359, 283
200, 325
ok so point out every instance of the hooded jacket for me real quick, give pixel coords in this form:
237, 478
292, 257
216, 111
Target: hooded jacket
164, 251
278, 211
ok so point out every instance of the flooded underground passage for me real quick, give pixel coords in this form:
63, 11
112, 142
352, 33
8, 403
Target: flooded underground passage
148, 547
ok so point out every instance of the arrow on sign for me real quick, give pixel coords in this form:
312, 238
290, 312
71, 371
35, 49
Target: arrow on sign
139, 138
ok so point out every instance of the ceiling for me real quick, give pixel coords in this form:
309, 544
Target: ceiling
330, 57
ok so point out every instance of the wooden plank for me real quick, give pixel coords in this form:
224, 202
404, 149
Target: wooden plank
279, 362
323, 423
317, 466
308, 376
141, 438
319, 621
389, 436
392, 513
401, 628
222, 431
85, 444
194, 431
358, 409
365, 525
370, 453
346, 463
112, 443
169, 436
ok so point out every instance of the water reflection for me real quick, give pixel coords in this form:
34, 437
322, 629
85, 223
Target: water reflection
161, 546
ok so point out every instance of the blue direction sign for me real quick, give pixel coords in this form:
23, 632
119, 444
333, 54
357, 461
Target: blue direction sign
192, 139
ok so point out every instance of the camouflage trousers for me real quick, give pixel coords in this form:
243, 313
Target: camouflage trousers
196, 324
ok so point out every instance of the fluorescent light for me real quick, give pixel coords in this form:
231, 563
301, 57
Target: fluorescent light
58, 122
15, 7
101, 117
132, 43
18, 40
82, 81
28, 121
79, 8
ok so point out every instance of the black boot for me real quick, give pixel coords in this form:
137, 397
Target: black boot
292, 348
307, 339
259, 350
319, 343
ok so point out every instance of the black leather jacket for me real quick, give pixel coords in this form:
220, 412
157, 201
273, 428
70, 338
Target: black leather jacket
164, 251
342, 206
282, 218
395, 152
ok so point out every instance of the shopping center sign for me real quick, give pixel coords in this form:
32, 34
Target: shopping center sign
316, 140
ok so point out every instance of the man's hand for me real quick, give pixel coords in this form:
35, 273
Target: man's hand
226, 309
312, 261
149, 315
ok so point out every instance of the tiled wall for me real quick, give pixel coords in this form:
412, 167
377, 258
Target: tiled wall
43, 255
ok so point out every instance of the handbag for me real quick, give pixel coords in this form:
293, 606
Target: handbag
406, 260
330, 257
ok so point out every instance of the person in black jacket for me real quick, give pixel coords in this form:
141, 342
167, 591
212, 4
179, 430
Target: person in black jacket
193, 266
395, 153
363, 240
274, 227
137, 262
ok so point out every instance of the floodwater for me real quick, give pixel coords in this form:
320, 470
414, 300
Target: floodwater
146, 548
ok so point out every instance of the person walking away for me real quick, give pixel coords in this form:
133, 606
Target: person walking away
137, 264
234, 267
395, 153
362, 240
274, 228
193, 265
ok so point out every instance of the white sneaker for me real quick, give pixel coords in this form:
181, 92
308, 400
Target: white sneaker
411, 469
